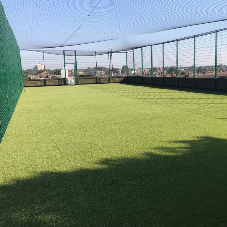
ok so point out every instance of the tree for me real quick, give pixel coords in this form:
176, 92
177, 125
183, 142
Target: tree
88, 71
182, 73
56, 72
102, 68
155, 69
172, 70
115, 70
25, 76
221, 67
124, 69
200, 69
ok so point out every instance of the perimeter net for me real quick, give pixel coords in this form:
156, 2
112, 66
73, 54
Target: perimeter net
11, 82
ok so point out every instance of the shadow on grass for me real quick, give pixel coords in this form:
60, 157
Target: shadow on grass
185, 186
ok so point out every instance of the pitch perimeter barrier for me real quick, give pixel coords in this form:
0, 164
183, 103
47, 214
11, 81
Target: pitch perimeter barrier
219, 84
81, 80
198, 83
11, 79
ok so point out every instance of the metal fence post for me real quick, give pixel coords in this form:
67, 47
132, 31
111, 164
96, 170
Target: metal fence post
127, 63
163, 60
216, 58
152, 68
216, 54
194, 71
109, 80
64, 66
134, 66
75, 71
177, 62
96, 64
142, 60
109, 62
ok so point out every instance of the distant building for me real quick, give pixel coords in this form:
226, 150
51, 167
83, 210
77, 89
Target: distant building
34, 76
44, 75
39, 67
137, 71
64, 72
100, 73
80, 72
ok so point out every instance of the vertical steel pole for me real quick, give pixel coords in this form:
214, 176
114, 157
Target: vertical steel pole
142, 59
177, 60
96, 64
64, 66
163, 59
152, 67
109, 67
109, 62
75, 71
194, 71
75, 68
127, 63
216, 54
134, 66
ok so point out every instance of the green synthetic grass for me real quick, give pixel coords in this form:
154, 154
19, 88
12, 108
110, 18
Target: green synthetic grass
115, 155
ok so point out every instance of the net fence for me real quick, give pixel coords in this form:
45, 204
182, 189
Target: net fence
200, 56
11, 82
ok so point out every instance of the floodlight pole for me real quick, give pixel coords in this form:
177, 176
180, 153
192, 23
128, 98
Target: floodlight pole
163, 59
152, 68
75, 71
142, 59
216, 54
134, 66
64, 66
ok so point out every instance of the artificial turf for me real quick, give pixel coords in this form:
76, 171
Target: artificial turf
115, 155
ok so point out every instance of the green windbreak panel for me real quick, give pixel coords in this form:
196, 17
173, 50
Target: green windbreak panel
11, 79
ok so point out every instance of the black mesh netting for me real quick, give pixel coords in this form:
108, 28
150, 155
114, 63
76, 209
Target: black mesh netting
97, 25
